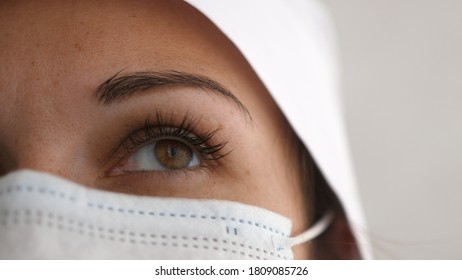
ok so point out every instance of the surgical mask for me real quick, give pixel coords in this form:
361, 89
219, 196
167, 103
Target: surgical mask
46, 217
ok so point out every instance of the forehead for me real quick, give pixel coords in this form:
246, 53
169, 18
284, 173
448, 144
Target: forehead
102, 21
53, 53
76, 36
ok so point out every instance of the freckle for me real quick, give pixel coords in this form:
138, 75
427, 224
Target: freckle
32, 63
37, 45
78, 47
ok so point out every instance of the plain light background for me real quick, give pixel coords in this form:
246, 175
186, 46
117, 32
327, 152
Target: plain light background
401, 64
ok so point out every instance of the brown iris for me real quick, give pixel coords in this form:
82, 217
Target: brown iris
173, 154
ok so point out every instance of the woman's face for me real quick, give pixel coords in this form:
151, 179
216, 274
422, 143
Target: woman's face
141, 97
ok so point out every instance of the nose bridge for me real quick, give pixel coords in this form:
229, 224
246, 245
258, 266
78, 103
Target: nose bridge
39, 118
38, 136
42, 154
46, 112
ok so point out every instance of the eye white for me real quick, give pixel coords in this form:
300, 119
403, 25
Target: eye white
145, 159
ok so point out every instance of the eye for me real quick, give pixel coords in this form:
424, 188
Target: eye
161, 155
167, 145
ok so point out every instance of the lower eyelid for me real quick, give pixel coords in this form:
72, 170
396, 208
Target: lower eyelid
179, 175
153, 183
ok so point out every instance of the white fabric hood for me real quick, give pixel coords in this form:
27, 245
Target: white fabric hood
289, 45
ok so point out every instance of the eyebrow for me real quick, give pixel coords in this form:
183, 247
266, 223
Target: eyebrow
123, 86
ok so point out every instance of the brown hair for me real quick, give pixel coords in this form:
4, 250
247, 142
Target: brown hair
337, 242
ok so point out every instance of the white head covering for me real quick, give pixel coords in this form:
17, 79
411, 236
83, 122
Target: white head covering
289, 45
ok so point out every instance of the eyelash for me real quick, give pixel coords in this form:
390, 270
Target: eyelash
186, 131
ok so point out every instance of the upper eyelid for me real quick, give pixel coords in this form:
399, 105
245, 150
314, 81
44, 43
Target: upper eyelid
187, 122
160, 124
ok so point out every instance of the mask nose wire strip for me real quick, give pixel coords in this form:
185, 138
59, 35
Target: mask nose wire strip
313, 232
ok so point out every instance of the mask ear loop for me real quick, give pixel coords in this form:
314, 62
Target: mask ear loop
281, 243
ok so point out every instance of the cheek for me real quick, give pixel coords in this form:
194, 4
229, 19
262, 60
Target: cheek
260, 172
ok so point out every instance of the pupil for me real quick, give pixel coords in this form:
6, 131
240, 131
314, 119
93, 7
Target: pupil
171, 151
173, 154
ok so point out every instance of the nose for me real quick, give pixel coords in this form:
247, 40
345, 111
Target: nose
39, 132
38, 143
40, 155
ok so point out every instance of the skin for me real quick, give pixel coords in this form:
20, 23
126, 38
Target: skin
55, 54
